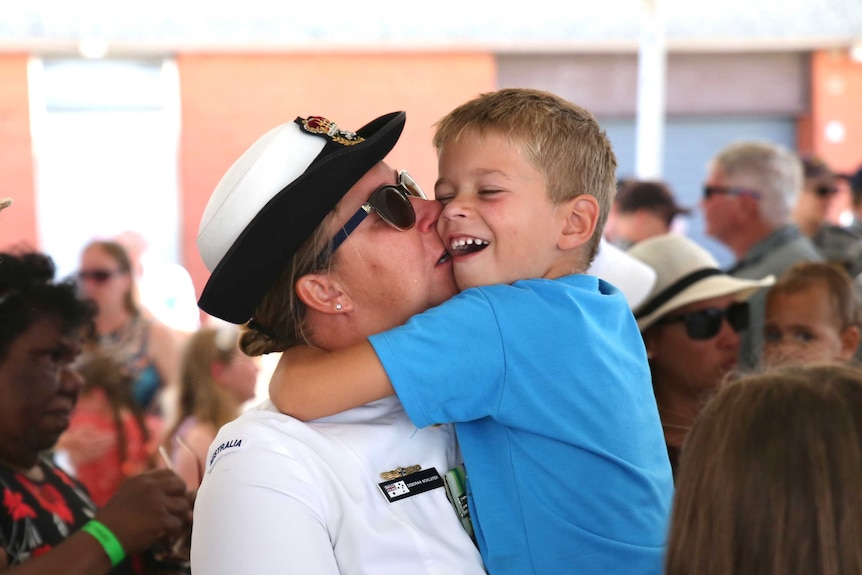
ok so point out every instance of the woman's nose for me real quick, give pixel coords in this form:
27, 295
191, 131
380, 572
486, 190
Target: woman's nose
727, 336
70, 380
427, 213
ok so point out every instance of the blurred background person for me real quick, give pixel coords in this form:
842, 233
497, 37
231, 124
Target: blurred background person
769, 478
146, 348
811, 315
641, 210
108, 438
216, 379
48, 523
854, 180
836, 243
750, 190
690, 324
165, 289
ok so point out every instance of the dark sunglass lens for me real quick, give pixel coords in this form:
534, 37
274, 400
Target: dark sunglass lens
737, 316
704, 324
393, 207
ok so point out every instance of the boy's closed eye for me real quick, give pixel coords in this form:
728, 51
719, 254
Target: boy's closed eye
484, 193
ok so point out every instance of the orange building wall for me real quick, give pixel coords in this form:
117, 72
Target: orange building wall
18, 222
836, 96
228, 101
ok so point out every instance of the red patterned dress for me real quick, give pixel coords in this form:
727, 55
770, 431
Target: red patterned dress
36, 516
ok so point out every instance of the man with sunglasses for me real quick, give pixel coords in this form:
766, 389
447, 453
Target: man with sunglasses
811, 213
312, 239
691, 324
749, 195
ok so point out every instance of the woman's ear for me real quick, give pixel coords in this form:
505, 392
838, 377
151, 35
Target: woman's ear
581, 215
216, 371
321, 293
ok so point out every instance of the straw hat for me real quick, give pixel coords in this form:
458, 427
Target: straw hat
273, 198
685, 273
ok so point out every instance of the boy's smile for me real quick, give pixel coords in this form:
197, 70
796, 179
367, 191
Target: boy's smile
462, 246
498, 221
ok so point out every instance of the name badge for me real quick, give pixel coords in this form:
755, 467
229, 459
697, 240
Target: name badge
410, 485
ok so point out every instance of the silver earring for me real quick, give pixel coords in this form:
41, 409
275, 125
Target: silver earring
338, 306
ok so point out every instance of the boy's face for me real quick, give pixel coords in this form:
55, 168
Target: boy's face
802, 327
498, 221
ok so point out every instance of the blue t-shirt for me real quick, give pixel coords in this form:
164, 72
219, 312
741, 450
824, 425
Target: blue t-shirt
548, 385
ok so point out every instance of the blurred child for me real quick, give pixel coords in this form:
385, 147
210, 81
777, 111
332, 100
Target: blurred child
811, 315
215, 380
109, 437
541, 367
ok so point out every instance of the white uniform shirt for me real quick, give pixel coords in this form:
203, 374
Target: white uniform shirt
283, 496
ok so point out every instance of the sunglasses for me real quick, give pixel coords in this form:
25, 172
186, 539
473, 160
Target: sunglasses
826, 191
709, 191
706, 323
391, 203
98, 276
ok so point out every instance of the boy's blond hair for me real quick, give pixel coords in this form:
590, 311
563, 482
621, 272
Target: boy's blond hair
561, 140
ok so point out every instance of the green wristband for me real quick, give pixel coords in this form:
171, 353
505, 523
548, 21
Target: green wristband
106, 539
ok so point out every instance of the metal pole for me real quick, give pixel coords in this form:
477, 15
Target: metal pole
649, 148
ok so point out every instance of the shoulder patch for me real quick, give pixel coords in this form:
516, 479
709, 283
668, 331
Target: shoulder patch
226, 447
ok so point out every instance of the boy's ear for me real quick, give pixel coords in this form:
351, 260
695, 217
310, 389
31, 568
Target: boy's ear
320, 292
849, 342
581, 215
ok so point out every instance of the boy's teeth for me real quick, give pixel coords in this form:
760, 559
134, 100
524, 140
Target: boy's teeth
460, 243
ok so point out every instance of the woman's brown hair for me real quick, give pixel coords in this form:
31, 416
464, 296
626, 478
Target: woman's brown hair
199, 395
769, 477
279, 320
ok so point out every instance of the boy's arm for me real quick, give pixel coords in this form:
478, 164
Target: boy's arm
309, 383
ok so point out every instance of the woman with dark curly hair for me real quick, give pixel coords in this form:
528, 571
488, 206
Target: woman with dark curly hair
47, 520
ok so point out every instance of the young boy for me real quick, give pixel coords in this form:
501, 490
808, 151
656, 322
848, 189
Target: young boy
811, 315
541, 368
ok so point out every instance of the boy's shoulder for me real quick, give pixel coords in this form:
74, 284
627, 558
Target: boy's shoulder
583, 289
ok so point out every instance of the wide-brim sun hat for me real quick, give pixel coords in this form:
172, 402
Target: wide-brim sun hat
272, 199
685, 273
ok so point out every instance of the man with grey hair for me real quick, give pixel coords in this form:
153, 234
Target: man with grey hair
748, 198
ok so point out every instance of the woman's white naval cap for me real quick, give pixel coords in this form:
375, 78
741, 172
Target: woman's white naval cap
272, 199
